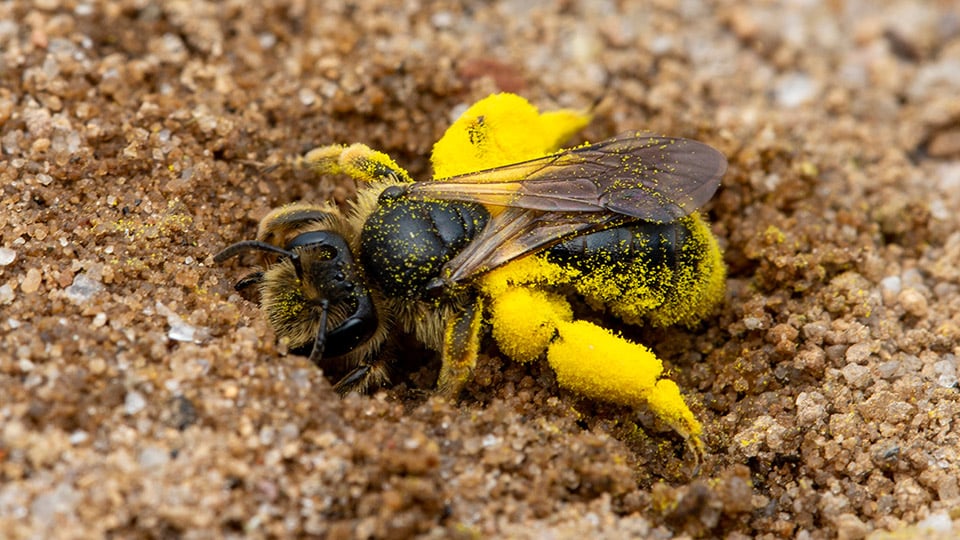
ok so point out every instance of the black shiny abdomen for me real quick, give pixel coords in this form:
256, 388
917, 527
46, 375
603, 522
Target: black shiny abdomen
649, 245
405, 243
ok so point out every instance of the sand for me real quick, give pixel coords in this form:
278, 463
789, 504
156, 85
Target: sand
140, 396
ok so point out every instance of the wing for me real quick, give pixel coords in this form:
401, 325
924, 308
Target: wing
589, 188
658, 179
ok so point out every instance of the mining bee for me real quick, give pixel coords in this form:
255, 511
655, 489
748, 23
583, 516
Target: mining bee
509, 229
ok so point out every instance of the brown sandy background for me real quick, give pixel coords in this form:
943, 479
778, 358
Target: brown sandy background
140, 397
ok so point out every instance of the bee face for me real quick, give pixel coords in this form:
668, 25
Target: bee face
328, 273
296, 291
314, 295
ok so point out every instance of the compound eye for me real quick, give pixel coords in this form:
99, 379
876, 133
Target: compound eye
322, 244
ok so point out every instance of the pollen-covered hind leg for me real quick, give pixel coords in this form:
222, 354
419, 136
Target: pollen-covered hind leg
358, 161
597, 363
588, 359
525, 321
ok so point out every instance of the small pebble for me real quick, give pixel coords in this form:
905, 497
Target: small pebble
811, 408
31, 282
7, 256
753, 323
939, 522
134, 402
856, 375
152, 457
795, 89
6, 294
82, 289
890, 286
180, 330
61, 500
913, 302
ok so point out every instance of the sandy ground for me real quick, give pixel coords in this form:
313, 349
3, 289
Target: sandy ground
141, 397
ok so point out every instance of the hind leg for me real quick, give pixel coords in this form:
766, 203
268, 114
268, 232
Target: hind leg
587, 359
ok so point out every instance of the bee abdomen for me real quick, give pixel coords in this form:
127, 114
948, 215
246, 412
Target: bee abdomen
652, 245
662, 273
405, 243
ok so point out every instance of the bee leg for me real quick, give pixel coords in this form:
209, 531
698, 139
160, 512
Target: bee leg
284, 223
363, 378
247, 281
599, 364
356, 160
524, 321
461, 344
351, 380
588, 359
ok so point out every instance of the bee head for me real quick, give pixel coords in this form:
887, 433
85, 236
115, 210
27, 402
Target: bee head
314, 295
330, 283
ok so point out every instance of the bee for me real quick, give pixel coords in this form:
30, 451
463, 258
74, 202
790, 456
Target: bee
511, 227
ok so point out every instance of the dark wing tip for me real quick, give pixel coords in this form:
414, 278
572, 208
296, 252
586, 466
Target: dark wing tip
672, 177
